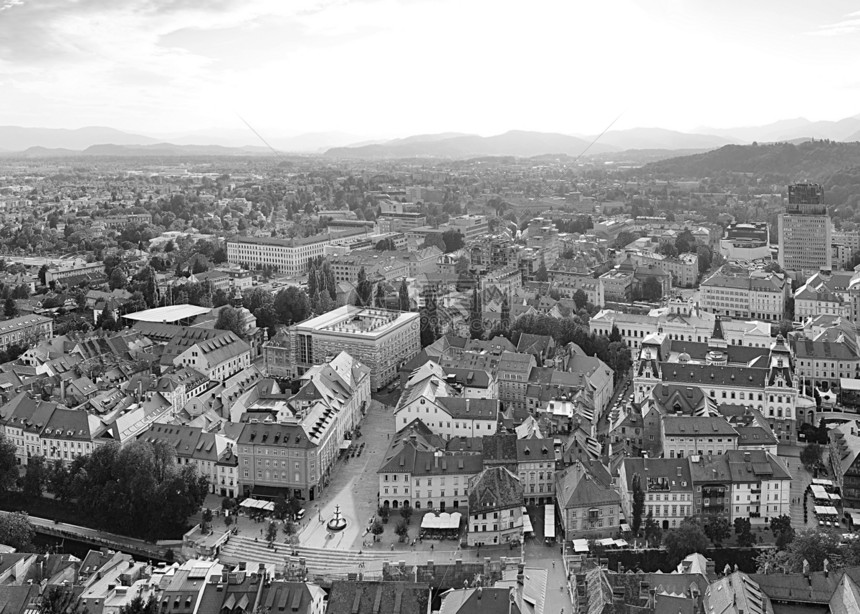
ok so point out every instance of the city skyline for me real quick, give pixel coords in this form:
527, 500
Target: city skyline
391, 68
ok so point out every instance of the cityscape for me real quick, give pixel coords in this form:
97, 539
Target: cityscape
450, 349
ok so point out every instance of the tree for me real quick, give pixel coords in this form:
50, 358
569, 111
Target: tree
580, 298
541, 274
782, 531
403, 296
289, 528
292, 305
406, 512
624, 239
35, 478
272, 531
505, 319
668, 249
638, 504
810, 456
61, 600
651, 289
476, 320
43, 274
376, 528
743, 530
615, 335
429, 319
453, 240
401, 530
685, 242
718, 529
16, 531
462, 266
813, 546
364, 289
379, 296
434, 239
139, 606
384, 512
686, 539
10, 309
384, 245
230, 319
206, 517
282, 509
8, 464
118, 279
137, 489
653, 532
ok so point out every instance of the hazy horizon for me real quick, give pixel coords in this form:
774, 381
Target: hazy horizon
382, 69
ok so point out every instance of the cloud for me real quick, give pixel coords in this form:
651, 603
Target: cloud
849, 24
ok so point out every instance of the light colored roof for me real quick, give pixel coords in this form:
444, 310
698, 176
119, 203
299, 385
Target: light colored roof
170, 313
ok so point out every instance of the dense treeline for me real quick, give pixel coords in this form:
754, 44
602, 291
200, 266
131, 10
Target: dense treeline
137, 489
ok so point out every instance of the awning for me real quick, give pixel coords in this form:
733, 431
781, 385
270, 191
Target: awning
430, 521
834, 496
606, 541
822, 482
819, 493
527, 522
344, 445
580, 545
442, 521
621, 543
825, 510
257, 504
849, 384
625, 527
855, 519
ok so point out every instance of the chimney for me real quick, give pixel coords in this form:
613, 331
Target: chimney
652, 597
63, 390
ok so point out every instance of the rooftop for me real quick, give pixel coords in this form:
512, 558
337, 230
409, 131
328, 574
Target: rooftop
170, 313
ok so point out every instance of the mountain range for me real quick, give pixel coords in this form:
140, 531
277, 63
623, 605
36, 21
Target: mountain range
97, 140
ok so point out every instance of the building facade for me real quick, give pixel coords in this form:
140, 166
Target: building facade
805, 231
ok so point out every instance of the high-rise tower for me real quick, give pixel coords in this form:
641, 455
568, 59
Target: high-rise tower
805, 231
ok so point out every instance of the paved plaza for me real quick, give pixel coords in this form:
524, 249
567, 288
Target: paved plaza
353, 486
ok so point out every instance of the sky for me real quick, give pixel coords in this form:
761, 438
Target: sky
389, 68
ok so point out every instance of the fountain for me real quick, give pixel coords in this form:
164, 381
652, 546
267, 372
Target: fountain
337, 522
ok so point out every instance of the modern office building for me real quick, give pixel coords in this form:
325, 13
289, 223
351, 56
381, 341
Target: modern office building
381, 339
805, 231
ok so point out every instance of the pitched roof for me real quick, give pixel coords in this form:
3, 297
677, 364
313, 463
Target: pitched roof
364, 597
493, 489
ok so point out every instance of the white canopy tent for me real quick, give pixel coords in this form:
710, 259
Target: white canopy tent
442, 521
825, 510
580, 545
256, 504
819, 493
527, 522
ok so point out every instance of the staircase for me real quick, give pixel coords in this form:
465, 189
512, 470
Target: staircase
319, 561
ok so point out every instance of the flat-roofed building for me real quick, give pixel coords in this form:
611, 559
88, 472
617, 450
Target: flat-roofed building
285, 255
381, 339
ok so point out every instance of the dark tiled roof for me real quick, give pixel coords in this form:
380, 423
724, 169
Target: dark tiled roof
495, 488
354, 597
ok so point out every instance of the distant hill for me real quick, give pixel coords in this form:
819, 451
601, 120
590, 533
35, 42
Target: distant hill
17, 138
514, 143
792, 129
159, 149
813, 160
658, 138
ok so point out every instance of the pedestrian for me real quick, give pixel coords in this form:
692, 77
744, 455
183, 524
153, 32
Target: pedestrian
553, 564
